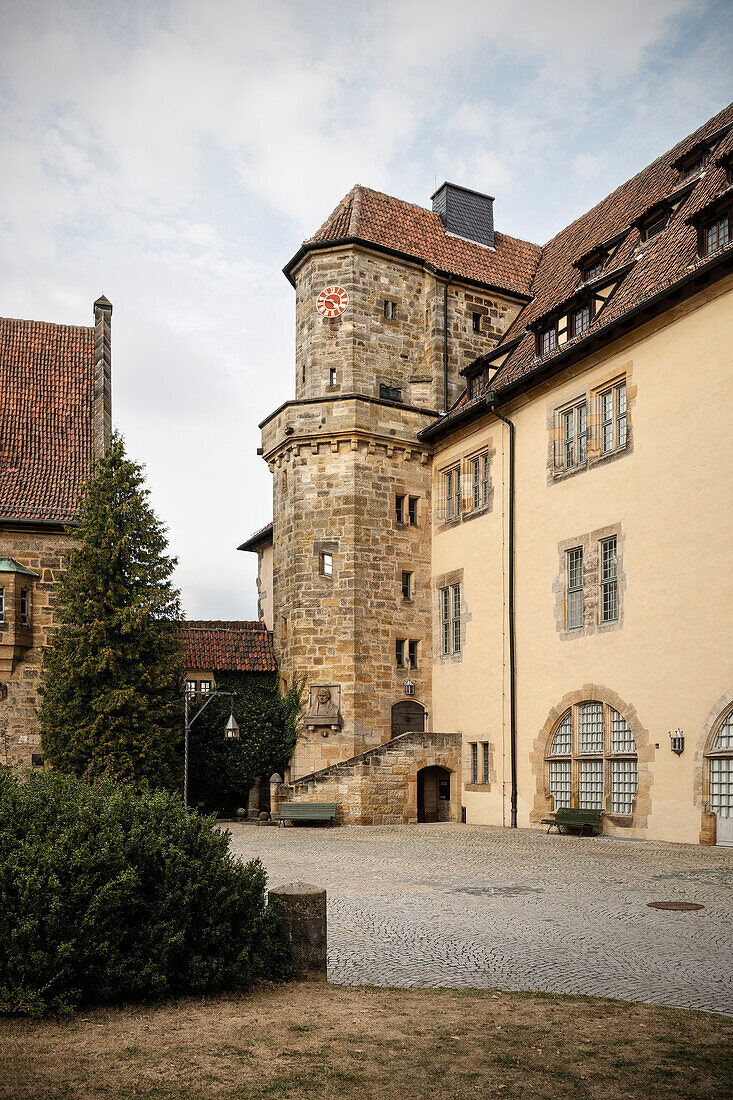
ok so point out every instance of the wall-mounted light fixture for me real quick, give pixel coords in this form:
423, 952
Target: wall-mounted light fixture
409, 687
678, 741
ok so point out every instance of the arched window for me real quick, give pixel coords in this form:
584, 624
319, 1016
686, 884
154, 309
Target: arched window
592, 762
720, 758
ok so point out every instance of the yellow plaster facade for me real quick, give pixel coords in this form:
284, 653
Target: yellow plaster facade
667, 496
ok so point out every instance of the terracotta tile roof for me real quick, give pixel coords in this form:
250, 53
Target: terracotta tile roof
655, 265
46, 417
224, 646
403, 227
646, 268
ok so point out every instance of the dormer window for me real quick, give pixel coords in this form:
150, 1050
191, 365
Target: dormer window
548, 340
593, 269
654, 226
580, 320
693, 167
716, 233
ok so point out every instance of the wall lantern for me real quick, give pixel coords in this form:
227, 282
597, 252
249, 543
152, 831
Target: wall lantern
231, 733
409, 687
678, 741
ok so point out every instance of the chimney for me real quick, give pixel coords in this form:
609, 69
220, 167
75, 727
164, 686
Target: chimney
465, 213
102, 375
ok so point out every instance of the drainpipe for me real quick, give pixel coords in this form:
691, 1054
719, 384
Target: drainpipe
445, 343
490, 401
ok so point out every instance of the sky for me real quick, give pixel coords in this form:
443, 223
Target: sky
173, 156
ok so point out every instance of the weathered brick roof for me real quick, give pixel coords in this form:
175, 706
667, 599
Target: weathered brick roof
227, 646
46, 418
649, 268
379, 219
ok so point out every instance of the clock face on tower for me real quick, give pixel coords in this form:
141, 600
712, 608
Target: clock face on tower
332, 301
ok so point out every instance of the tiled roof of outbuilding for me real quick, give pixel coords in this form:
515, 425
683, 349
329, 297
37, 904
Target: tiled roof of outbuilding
227, 646
647, 268
379, 219
46, 418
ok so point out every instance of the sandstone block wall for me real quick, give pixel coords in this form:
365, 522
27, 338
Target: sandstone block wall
379, 787
44, 553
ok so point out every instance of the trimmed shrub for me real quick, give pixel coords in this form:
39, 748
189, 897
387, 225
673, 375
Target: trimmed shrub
111, 894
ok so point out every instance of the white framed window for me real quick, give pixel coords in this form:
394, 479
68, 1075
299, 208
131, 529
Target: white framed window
480, 481
205, 687
191, 689
613, 418
450, 619
332, 376
720, 763
575, 588
574, 424
593, 753
548, 340
609, 580
452, 483
326, 565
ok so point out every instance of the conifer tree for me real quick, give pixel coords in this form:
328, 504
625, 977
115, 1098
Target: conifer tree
111, 685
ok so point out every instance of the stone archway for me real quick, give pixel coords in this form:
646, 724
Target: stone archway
433, 794
408, 716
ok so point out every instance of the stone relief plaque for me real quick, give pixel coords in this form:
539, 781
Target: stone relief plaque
324, 708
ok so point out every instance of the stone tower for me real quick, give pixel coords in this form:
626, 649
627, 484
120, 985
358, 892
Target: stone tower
426, 292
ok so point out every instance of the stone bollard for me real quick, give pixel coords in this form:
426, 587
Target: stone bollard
276, 795
253, 801
304, 925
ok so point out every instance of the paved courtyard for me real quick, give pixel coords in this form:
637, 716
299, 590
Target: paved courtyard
463, 905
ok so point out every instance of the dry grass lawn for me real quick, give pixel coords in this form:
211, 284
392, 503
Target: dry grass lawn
308, 1040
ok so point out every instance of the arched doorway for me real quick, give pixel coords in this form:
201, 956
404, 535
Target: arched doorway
433, 794
407, 716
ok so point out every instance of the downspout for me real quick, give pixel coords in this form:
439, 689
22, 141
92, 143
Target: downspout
445, 343
490, 401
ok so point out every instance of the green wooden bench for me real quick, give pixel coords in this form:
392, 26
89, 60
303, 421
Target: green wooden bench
306, 811
574, 819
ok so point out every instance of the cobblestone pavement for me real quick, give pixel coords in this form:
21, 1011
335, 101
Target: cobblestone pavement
465, 905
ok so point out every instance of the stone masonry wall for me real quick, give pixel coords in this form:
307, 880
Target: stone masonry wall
44, 553
379, 787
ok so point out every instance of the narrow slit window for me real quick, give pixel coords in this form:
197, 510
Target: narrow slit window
456, 617
399, 507
327, 565
575, 588
407, 586
2, 605
412, 653
445, 620
474, 762
485, 747
400, 652
332, 376
609, 581
412, 511
25, 608
476, 318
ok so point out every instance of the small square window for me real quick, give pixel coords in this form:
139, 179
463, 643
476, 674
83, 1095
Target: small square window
476, 318
390, 310
400, 652
326, 565
548, 340
592, 270
407, 586
412, 511
205, 687
399, 502
191, 689
412, 653
332, 376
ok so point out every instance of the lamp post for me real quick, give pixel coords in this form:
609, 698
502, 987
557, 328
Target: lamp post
231, 731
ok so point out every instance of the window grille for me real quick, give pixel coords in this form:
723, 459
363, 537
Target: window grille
400, 652
724, 738
412, 511
560, 783
474, 762
717, 234
412, 654
622, 739
575, 588
485, 481
445, 619
456, 617
475, 483
609, 581
721, 786
590, 728
624, 783
400, 509
581, 320
590, 784
562, 742
407, 586
549, 340
485, 747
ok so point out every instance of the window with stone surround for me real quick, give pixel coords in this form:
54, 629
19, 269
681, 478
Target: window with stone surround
389, 310
25, 607
592, 761
574, 424
399, 507
486, 762
204, 687
612, 410
412, 511
332, 376
412, 649
400, 652
609, 580
474, 762
574, 613
476, 322
588, 429
406, 585
450, 619
452, 494
326, 564
590, 583
480, 491
191, 689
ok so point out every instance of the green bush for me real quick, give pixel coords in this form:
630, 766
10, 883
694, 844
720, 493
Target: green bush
112, 894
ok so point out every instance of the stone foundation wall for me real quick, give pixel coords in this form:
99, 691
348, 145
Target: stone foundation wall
44, 553
379, 787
